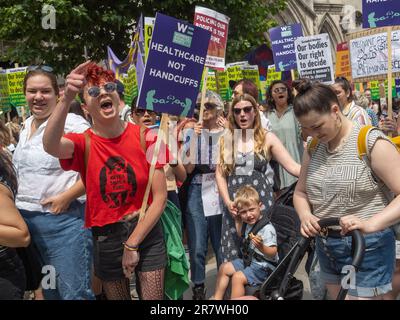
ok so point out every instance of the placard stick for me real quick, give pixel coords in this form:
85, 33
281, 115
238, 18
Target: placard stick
293, 74
216, 80
390, 76
203, 95
23, 114
160, 137
9, 123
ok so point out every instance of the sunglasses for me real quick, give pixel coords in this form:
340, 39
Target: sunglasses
238, 111
141, 112
280, 90
108, 87
207, 106
40, 67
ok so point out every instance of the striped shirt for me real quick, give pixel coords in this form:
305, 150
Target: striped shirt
340, 183
358, 114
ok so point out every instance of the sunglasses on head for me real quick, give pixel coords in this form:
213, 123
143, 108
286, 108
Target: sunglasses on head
280, 90
108, 87
40, 67
238, 111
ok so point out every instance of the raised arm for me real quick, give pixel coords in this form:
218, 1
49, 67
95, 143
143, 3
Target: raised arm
53, 142
280, 154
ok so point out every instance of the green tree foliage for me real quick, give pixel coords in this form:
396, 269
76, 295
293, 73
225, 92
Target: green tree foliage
95, 24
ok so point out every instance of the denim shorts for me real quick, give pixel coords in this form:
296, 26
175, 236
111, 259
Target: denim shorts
108, 249
12, 275
374, 276
255, 273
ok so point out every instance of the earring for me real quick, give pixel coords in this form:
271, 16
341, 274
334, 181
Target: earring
338, 121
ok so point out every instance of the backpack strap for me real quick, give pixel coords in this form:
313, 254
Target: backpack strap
143, 138
312, 145
362, 143
87, 149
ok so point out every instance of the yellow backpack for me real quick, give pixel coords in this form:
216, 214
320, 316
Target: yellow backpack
363, 154
362, 143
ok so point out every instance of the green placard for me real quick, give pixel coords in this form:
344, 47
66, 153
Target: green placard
130, 83
374, 86
15, 79
4, 96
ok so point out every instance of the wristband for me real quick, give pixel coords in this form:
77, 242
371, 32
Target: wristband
130, 248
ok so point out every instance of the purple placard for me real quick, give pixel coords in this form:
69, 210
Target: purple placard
282, 40
174, 67
380, 13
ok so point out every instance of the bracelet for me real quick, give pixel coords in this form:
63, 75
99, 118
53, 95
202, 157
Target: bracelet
130, 248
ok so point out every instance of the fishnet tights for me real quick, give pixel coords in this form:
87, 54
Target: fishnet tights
117, 290
149, 286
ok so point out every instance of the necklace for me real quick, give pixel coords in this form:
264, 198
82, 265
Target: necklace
342, 142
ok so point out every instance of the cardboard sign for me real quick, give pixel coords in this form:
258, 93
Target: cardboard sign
210, 195
369, 55
343, 67
4, 96
131, 86
15, 79
314, 59
282, 40
223, 85
252, 73
174, 67
375, 87
235, 71
148, 33
218, 24
380, 13
273, 75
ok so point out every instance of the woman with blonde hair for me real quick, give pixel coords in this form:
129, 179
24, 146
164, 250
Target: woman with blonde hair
245, 150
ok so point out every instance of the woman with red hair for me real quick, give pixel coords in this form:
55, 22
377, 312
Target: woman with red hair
111, 158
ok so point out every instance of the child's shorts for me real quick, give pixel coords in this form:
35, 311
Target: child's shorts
255, 274
375, 274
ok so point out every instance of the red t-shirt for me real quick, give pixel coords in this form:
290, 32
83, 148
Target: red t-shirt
117, 173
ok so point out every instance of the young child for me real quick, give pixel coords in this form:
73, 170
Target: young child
265, 257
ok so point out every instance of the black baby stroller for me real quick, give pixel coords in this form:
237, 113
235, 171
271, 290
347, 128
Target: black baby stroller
287, 225
281, 283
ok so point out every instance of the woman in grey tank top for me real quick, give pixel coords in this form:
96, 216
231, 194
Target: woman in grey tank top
334, 182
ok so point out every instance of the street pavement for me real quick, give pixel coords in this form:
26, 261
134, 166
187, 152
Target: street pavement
211, 278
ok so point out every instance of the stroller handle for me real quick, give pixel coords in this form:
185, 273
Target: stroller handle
358, 241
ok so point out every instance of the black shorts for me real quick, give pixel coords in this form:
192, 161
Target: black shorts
108, 249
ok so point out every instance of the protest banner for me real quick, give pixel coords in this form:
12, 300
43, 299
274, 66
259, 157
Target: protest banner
314, 58
235, 71
174, 67
369, 54
252, 73
130, 85
375, 89
212, 205
15, 79
212, 81
380, 13
343, 67
272, 75
282, 40
218, 24
4, 96
223, 85
148, 32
